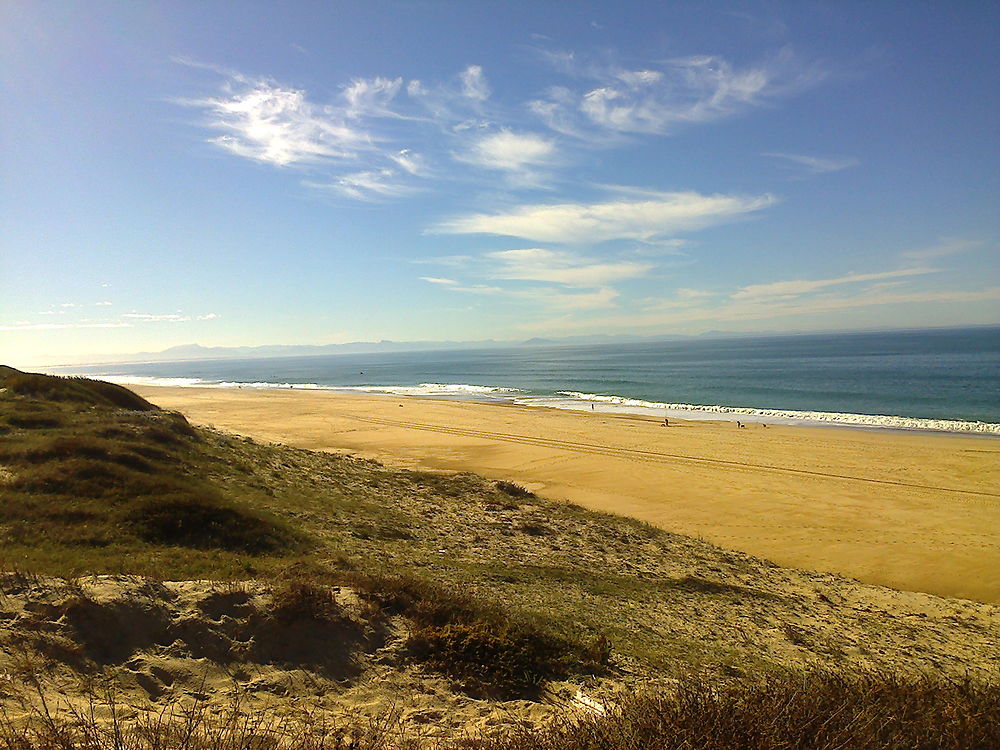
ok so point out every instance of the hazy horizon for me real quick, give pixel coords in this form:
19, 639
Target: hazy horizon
461, 172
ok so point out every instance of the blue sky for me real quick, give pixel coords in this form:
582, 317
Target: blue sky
239, 173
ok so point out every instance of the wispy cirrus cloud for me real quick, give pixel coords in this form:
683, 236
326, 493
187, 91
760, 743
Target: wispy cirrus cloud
655, 216
796, 288
379, 135
474, 85
721, 309
659, 98
27, 326
816, 164
943, 248
537, 264
546, 297
371, 97
264, 121
126, 320
519, 155
439, 280
368, 185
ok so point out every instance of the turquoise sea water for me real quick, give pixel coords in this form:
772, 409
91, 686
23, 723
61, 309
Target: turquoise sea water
936, 379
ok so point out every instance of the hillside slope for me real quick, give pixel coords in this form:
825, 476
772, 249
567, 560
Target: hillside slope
181, 563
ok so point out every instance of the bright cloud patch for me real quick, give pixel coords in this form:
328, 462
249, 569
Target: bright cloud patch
509, 151
270, 123
790, 289
588, 223
474, 84
535, 264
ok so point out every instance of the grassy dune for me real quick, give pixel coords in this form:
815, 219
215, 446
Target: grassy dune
197, 577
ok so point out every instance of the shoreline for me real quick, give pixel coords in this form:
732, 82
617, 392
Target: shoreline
600, 403
912, 510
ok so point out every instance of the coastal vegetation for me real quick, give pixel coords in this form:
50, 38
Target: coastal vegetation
168, 585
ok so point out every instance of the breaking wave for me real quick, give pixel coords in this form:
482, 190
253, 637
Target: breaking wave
576, 399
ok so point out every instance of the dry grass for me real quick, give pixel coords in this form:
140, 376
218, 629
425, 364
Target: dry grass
816, 712
786, 712
486, 649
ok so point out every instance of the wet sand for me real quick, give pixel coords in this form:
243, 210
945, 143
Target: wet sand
913, 511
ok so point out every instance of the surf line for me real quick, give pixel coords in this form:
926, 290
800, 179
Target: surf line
657, 456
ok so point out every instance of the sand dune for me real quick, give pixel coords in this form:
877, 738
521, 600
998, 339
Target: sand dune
912, 511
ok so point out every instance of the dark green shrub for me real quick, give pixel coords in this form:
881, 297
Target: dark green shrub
205, 522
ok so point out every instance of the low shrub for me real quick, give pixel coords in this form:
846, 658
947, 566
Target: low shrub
202, 521
479, 645
514, 490
81, 390
304, 600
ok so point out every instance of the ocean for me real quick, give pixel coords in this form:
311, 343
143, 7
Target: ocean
941, 379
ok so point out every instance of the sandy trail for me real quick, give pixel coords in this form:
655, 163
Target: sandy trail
912, 511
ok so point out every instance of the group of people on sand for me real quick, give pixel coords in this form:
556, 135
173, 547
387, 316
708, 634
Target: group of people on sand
739, 424
666, 422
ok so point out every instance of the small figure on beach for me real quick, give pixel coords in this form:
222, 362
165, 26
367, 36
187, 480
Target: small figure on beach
591, 407
739, 424
666, 423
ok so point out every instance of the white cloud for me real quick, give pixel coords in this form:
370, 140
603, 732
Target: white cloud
643, 220
150, 318
371, 96
444, 260
209, 316
656, 101
438, 280
536, 264
509, 151
367, 185
102, 304
57, 326
818, 164
598, 299
267, 122
944, 247
547, 297
474, 84
741, 311
410, 162
789, 289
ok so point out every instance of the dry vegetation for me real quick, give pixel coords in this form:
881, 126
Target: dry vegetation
169, 586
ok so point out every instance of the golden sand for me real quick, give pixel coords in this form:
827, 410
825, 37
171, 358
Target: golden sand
913, 511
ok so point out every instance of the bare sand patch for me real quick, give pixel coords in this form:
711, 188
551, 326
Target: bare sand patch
915, 511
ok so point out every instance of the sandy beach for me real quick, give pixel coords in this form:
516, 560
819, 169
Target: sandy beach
912, 511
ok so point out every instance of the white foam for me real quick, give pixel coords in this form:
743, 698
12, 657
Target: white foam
431, 389
424, 389
578, 400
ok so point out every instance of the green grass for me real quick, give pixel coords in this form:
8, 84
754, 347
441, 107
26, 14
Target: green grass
97, 479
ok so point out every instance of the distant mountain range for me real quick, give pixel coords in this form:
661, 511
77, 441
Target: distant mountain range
196, 351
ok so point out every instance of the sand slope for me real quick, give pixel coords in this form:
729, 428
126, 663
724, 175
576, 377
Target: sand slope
912, 511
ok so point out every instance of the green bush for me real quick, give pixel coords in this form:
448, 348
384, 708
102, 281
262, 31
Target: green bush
206, 522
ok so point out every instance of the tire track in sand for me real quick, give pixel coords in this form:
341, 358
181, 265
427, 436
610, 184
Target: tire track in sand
612, 451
